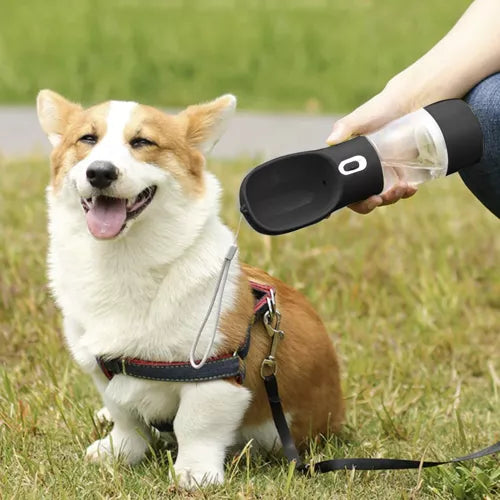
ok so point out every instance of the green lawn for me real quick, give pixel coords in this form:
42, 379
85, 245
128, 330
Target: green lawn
409, 293
316, 55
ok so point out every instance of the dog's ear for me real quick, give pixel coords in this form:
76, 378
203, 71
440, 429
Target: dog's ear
205, 123
54, 114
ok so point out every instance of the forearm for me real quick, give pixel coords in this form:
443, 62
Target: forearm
466, 55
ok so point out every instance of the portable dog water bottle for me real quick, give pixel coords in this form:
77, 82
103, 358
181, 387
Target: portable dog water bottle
297, 190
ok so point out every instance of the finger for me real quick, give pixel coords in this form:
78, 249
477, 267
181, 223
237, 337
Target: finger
370, 116
366, 206
397, 192
410, 191
394, 194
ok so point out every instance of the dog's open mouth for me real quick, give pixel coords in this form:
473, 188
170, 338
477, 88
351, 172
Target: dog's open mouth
107, 216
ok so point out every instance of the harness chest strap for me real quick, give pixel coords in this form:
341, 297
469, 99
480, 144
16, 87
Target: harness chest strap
226, 366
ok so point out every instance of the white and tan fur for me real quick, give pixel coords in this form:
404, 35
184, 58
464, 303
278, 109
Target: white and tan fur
144, 293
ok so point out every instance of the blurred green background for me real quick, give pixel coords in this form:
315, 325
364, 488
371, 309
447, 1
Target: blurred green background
313, 55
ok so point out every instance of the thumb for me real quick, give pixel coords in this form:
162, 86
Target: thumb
370, 116
341, 132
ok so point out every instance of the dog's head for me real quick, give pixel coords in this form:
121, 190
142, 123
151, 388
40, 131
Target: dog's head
120, 162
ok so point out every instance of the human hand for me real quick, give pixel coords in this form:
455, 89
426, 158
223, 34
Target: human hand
370, 116
461, 59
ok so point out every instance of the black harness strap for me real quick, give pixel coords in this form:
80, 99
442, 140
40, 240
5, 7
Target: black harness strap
226, 366
337, 464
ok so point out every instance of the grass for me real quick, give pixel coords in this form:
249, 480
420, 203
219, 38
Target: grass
315, 55
410, 294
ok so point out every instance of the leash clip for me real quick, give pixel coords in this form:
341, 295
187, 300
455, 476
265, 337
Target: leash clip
268, 368
272, 320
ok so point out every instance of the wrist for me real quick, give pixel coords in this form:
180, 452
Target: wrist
430, 80
413, 89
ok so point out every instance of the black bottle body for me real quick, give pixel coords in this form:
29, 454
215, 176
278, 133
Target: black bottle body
306, 187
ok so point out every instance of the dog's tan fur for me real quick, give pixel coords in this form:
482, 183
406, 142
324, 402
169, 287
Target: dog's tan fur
308, 373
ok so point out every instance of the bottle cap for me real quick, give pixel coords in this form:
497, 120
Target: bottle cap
461, 131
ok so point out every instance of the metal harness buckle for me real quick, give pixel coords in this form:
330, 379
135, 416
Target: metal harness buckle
271, 320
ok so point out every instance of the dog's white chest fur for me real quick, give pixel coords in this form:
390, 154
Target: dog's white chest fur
125, 301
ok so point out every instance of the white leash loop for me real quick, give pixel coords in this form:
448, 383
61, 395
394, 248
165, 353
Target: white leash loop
221, 284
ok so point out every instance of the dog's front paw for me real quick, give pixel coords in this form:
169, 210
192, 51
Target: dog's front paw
103, 416
130, 449
190, 478
99, 451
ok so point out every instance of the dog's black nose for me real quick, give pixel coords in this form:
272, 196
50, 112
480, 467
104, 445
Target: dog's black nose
101, 174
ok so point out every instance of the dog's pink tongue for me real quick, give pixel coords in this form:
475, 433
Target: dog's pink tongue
106, 217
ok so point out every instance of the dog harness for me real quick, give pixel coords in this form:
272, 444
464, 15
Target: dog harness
233, 365
216, 367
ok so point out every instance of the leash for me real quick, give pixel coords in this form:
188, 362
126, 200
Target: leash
336, 464
268, 370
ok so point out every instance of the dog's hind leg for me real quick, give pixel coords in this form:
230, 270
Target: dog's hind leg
206, 424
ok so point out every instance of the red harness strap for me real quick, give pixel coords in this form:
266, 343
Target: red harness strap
262, 293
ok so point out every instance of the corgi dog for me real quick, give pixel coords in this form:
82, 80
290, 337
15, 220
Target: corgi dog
136, 246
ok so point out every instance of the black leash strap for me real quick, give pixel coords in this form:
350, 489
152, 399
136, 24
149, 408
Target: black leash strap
336, 464
289, 448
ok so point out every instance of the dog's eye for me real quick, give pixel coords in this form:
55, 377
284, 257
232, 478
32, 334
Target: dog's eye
140, 142
88, 139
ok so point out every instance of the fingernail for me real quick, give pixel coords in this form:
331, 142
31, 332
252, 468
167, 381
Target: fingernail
337, 134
